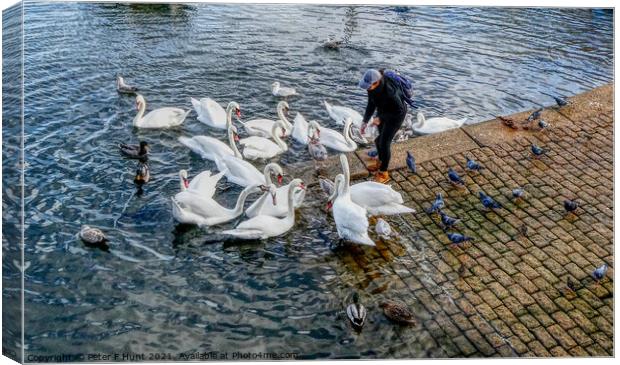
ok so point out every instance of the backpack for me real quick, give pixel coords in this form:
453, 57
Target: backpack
405, 85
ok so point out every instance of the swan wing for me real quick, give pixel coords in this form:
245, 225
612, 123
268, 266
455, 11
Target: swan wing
164, 118
211, 113
207, 147
199, 205
240, 172
370, 193
204, 184
351, 221
300, 129
260, 227
390, 209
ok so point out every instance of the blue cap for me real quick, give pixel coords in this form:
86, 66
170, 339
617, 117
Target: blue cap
370, 76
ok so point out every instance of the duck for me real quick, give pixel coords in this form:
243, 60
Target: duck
255, 147
376, 198
143, 173
398, 312
203, 184
92, 235
300, 129
237, 170
140, 150
341, 113
351, 220
269, 208
278, 90
435, 125
191, 208
266, 226
334, 140
356, 312
262, 127
123, 88
159, 118
211, 113
210, 148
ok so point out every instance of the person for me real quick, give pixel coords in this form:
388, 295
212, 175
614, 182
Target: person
386, 97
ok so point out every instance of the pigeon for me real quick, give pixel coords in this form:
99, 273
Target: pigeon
523, 230
570, 206
383, 228
535, 115
437, 204
537, 150
508, 122
560, 101
570, 285
372, 153
458, 239
411, 163
327, 186
455, 178
543, 125
599, 273
518, 193
356, 312
448, 221
488, 202
473, 165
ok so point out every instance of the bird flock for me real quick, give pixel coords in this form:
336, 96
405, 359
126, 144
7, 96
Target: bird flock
273, 213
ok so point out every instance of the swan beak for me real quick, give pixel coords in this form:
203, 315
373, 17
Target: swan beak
186, 183
238, 113
279, 179
302, 186
236, 137
329, 205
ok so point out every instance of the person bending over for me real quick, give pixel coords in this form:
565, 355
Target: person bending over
385, 96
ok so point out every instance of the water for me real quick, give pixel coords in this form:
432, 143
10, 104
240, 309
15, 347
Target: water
161, 288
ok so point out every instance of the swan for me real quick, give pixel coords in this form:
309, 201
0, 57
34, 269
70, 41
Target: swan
334, 140
123, 88
351, 220
209, 147
256, 147
316, 150
341, 113
278, 207
202, 184
281, 192
300, 129
376, 198
262, 127
278, 90
158, 118
212, 114
191, 208
237, 170
435, 125
266, 226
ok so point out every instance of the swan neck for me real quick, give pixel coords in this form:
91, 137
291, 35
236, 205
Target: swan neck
276, 137
347, 134
291, 198
233, 145
241, 200
347, 176
228, 116
138, 118
287, 125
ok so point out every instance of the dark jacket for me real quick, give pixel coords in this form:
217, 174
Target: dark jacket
387, 99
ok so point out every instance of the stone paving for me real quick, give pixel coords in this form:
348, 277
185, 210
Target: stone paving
504, 294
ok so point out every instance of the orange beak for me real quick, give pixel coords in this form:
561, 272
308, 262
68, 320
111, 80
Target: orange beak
280, 179
186, 183
238, 113
236, 137
329, 205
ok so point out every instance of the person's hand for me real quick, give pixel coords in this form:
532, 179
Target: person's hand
376, 121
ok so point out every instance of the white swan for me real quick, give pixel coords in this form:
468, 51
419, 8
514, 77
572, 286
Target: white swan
334, 140
262, 127
209, 147
341, 113
278, 207
158, 118
211, 113
351, 220
191, 208
300, 129
281, 192
266, 226
435, 125
256, 147
202, 184
376, 198
237, 170
278, 90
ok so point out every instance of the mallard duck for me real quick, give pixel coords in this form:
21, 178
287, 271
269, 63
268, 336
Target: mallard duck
356, 312
143, 174
135, 150
397, 312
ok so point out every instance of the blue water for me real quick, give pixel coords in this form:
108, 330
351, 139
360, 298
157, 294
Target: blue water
161, 288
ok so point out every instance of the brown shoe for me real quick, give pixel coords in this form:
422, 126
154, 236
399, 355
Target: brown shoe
374, 166
382, 177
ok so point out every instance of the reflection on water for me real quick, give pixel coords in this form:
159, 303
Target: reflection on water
170, 288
